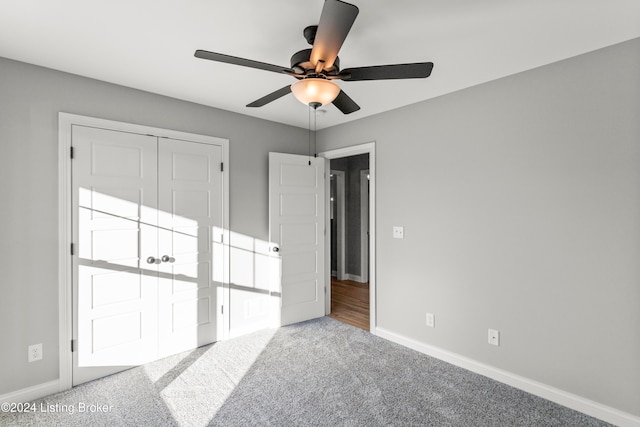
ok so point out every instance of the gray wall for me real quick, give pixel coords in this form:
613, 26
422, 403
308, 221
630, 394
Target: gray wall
520, 200
30, 99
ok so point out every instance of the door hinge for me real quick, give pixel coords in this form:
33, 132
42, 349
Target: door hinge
71, 153
222, 309
73, 346
221, 167
73, 249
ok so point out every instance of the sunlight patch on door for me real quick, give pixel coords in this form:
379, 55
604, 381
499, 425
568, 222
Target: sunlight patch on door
112, 331
113, 245
257, 307
190, 313
125, 286
114, 288
190, 277
110, 203
185, 240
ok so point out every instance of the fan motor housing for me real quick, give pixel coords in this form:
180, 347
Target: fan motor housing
300, 60
309, 34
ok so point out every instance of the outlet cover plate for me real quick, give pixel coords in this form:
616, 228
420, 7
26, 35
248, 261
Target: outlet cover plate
431, 320
398, 232
494, 337
34, 352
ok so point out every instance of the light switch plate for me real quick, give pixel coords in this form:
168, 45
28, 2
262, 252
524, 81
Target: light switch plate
398, 232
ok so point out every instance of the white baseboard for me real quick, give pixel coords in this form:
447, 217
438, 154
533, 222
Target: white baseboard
354, 277
578, 403
31, 393
348, 276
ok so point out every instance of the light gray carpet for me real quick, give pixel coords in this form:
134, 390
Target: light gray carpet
316, 373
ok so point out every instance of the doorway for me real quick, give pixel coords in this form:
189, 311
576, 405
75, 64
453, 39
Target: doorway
351, 251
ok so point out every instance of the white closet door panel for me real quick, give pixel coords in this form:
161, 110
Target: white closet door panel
190, 223
115, 204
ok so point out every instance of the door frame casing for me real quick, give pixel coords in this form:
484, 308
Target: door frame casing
340, 229
366, 148
65, 229
364, 225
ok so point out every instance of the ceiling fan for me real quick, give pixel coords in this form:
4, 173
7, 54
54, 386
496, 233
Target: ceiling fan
316, 68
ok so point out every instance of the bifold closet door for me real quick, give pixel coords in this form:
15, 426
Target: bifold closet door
190, 231
114, 178
147, 219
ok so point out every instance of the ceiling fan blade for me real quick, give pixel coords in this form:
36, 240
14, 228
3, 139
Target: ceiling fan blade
335, 22
271, 97
419, 70
228, 59
345, 104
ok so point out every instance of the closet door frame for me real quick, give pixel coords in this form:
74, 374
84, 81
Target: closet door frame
65, 229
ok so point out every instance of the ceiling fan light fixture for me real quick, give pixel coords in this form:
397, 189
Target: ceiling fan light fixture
318, 67
315, 90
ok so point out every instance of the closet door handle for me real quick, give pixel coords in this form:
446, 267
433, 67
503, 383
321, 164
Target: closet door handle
153, 260
167, 258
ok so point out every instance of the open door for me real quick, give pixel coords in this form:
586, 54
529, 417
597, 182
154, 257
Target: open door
296, 233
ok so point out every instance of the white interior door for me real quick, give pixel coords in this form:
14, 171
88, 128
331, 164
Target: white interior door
190, 224
114, 221
147, 217
296, 233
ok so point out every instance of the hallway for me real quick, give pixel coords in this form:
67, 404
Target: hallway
350, 302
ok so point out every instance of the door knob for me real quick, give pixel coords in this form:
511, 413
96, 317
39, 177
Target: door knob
276, 249
153, 260
167, 258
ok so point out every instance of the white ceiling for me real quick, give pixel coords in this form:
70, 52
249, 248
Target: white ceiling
149, 44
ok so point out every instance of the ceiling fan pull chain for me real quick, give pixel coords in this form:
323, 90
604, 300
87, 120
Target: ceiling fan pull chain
315, 106
309, 134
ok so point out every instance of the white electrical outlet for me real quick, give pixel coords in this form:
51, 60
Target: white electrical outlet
431, 320
398, 232
34, 352
494, 337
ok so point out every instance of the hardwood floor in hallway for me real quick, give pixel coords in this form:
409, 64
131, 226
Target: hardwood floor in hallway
350, 302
